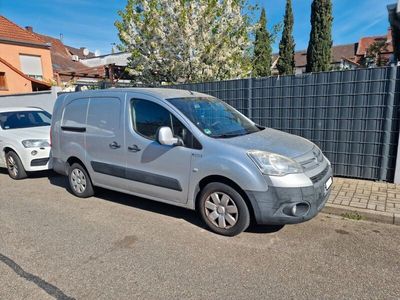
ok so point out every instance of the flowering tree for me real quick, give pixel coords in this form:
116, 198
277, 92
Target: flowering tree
184, 40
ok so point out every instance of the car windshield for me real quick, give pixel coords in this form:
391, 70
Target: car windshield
24, 119
214, 117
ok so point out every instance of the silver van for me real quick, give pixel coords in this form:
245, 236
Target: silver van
191, 150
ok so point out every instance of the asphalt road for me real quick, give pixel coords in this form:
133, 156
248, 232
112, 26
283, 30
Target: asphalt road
114, 246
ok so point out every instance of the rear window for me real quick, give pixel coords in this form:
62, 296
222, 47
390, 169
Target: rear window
24, 119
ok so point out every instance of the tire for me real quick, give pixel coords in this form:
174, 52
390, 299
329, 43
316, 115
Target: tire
15, 167
223, 209
79, 181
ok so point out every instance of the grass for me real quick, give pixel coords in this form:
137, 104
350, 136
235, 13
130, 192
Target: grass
352, 216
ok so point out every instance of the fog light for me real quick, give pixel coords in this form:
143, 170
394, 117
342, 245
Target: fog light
34, 152
297, 209
294, 210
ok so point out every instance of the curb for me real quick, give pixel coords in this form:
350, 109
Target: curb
366, 214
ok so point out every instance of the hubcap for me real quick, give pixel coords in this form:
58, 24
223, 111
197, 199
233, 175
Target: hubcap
221, 210
78, 180
12, 166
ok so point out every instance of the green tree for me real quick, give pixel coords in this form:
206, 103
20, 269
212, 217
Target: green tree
286, 63
374, 57
177, 41
262, 59
320, 44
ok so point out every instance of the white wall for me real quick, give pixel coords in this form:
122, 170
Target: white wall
119, 59
44, 100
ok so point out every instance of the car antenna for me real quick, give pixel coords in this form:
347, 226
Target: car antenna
191, 92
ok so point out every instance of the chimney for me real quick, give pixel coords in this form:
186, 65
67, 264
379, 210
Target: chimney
29, 28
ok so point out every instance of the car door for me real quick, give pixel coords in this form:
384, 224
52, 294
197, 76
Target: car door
153, 169
105, 147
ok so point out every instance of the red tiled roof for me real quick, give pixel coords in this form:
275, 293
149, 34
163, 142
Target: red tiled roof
11, 31
62, 60
338, 53
366, 42
79, 52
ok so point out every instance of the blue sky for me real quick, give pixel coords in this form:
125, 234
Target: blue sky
90, 23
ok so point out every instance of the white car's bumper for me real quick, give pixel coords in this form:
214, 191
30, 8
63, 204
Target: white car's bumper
35, 159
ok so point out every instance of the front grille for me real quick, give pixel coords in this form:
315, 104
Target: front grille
311, 160
319, 176
39, 162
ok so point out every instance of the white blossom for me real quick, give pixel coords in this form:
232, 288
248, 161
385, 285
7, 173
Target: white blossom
185, 41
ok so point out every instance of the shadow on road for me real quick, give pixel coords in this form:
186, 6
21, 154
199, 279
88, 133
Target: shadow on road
153, 206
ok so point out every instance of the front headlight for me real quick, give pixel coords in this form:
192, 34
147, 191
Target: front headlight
35, 143
274, 164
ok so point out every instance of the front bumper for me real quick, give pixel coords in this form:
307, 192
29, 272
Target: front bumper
275, 206
37, 162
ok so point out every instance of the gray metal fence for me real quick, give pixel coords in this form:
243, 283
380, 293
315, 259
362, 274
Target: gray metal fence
352, 115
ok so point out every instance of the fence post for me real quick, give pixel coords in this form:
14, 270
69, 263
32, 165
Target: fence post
397, 169
250, 98
387, 129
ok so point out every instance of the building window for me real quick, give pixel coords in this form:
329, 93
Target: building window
31, 65
3, 82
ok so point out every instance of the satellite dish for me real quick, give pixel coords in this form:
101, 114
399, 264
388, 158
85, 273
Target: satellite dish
97, 53
85, 51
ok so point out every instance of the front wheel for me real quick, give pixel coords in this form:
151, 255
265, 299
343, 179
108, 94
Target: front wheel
223, 209
79, 181
15, 167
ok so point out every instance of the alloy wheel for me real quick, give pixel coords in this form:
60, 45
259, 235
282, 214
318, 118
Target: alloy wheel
12, 166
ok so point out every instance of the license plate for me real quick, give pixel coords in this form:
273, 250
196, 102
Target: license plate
328, 183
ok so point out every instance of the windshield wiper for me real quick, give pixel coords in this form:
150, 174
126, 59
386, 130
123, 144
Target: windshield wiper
228, 135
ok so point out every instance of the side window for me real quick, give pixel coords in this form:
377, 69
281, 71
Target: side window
75, 113
148, 117
104, 114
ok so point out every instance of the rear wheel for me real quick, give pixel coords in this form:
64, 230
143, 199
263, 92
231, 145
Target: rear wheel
223, 209
79, 181
14, 166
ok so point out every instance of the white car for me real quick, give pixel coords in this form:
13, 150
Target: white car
24, 140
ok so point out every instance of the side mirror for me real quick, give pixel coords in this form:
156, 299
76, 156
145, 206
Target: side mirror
165, 137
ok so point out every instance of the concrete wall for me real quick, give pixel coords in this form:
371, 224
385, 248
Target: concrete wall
44, 100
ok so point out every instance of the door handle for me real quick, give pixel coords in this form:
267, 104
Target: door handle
115, 145
134, 148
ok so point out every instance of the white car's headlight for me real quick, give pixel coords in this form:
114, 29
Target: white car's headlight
274, 164
35, 143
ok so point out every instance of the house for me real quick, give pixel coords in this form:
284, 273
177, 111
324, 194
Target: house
78, 66
25, 60
394, 19
385, 52
67, 66
349, 56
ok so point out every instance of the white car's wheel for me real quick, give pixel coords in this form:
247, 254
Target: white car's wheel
14, 166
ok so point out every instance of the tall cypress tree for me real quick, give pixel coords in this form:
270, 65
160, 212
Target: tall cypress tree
262, 59
320, 44
286, 63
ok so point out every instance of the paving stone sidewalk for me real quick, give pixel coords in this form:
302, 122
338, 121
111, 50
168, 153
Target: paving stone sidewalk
377, 201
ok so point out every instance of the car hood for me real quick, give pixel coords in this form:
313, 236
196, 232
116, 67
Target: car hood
42, 132
274, 141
